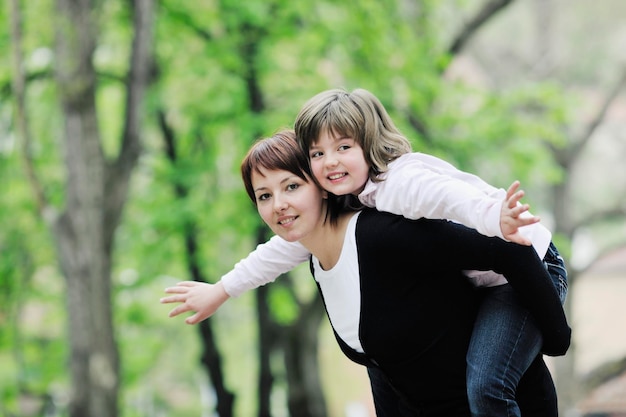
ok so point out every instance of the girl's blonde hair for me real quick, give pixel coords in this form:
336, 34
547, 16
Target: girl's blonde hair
358, 115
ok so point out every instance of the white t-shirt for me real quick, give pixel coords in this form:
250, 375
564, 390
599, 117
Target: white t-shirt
415, 185
342, 289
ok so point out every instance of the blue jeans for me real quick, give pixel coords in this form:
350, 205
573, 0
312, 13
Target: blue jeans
505, 343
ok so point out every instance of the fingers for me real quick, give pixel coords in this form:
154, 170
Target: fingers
516, 210
182, 287
189, 294
512, 189
176, 290
183, 308
193, 319
515, 198
514, 195
188, 284
173, 299
525, 221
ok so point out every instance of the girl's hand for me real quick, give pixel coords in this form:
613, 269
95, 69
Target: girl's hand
510, 216
202, 298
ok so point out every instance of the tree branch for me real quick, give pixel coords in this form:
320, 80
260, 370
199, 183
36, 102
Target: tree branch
138, 79
612, 213
488, 10
566, 156
601, 114
187, 21
118, 175
21, 116
483, 15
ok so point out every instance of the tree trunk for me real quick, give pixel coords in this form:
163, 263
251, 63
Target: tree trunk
267, 328
95, 194
212, 361
211, 357
307, 388
266, 332
306, 397
79, 232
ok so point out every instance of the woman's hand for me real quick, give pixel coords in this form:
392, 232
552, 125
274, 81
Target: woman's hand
202, 298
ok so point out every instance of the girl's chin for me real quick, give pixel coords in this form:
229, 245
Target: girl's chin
341, 189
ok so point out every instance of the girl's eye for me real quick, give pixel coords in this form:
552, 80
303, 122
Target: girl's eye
344, 147
315, 154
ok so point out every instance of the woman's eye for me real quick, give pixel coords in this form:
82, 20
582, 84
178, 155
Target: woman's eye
292, 187
262, 197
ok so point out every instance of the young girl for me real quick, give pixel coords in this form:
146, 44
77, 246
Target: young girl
356, 150
388, 284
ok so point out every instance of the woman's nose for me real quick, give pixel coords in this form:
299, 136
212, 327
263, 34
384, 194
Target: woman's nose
280, 204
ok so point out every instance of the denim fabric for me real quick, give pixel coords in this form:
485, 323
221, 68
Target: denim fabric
556, 268
505, 342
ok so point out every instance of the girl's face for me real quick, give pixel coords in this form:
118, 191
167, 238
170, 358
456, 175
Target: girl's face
290, 206
338, 164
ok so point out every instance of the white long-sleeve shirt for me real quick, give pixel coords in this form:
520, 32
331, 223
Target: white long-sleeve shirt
415, 185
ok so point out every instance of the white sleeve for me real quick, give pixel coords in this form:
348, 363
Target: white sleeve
414, 190
264, 265
537, 233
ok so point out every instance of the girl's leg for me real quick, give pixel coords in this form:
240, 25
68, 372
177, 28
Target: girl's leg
504, 343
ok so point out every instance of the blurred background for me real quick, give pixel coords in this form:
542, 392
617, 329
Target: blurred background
122, 125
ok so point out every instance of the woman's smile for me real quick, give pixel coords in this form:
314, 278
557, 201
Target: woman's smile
286, 220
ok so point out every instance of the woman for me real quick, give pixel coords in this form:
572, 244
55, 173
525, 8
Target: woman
394, 288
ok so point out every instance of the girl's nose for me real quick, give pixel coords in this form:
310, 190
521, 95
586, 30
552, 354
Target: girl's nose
331, 161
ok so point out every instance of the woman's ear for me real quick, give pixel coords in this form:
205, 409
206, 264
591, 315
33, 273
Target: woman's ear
325, 194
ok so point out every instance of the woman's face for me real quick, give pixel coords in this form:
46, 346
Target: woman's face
290, 206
